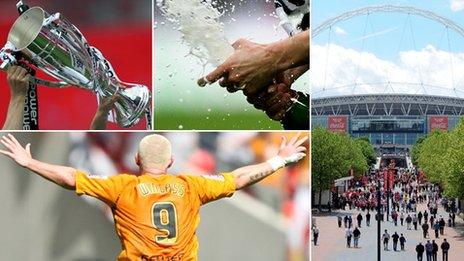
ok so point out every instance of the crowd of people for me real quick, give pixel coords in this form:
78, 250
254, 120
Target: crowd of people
401, 191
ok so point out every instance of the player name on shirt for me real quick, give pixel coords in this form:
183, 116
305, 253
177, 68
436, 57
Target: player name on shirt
175, 189
163, 258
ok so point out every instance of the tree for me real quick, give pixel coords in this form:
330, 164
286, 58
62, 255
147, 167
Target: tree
433, 154
416, 149
454, 179
441, 156
333, 156
367, 150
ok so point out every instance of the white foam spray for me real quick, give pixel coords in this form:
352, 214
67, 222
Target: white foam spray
198, 21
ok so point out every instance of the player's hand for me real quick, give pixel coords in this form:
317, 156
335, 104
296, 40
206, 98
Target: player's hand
278, 98
107, 104
18, 80
251, 67
101, 116
292, 151
289, 76
15, 151
275, 101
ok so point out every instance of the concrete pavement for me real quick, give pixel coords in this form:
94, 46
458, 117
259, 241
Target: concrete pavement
332, 242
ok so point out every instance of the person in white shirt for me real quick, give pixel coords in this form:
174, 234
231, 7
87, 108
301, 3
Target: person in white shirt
348, 235
385, 239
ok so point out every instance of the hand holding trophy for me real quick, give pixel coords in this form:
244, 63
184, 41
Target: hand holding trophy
55, 46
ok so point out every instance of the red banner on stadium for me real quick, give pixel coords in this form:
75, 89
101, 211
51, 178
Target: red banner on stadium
338, 123
438, 122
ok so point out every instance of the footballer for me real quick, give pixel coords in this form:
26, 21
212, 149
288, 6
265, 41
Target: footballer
156, 214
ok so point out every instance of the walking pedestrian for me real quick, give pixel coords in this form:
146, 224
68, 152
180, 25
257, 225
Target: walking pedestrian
385, 239
339, 221
420, 251
356, 236
428, 250
414, 221
315, 234
395, 238
426, 215
395, 218
436, 227
345, 221
408, 222
442, 226
445, 246
419, 217
402, 241
434, 251
348, 235
359, 218
350, 221
402, 218
368, 218
425, 229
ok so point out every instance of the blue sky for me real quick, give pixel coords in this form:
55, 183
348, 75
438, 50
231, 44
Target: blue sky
389, 46
323, 9
389, 26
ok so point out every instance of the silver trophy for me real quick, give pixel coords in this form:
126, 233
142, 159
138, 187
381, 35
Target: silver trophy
57, 47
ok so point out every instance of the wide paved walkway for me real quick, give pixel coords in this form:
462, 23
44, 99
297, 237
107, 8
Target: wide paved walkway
332, 242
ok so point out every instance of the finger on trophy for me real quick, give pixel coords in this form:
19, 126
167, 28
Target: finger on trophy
115, 98
21, 75
28, 78
13, 73
10, 72
107, 103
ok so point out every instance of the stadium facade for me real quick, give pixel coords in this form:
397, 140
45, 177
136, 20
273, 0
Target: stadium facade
392, 122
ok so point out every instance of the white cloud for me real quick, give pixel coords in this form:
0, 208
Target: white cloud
457, 5
340, 31
345, 67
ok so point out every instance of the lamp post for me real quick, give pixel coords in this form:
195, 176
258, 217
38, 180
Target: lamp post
387, 177
378, 220
390, 174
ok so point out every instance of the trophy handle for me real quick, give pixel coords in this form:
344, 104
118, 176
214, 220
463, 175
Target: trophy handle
38, 81
52, 84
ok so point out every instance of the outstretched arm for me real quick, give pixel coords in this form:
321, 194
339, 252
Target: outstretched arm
60, 175
289, 153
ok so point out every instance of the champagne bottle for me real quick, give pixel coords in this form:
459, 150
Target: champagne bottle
297, 117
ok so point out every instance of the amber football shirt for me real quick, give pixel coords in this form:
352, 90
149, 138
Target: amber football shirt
156, 216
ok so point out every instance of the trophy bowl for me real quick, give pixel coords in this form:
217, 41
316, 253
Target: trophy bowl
57, 47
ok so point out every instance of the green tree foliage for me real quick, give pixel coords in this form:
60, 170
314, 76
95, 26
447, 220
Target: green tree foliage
432, 156
416, 150
454, 178
441, 156
334, 155
367, 150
